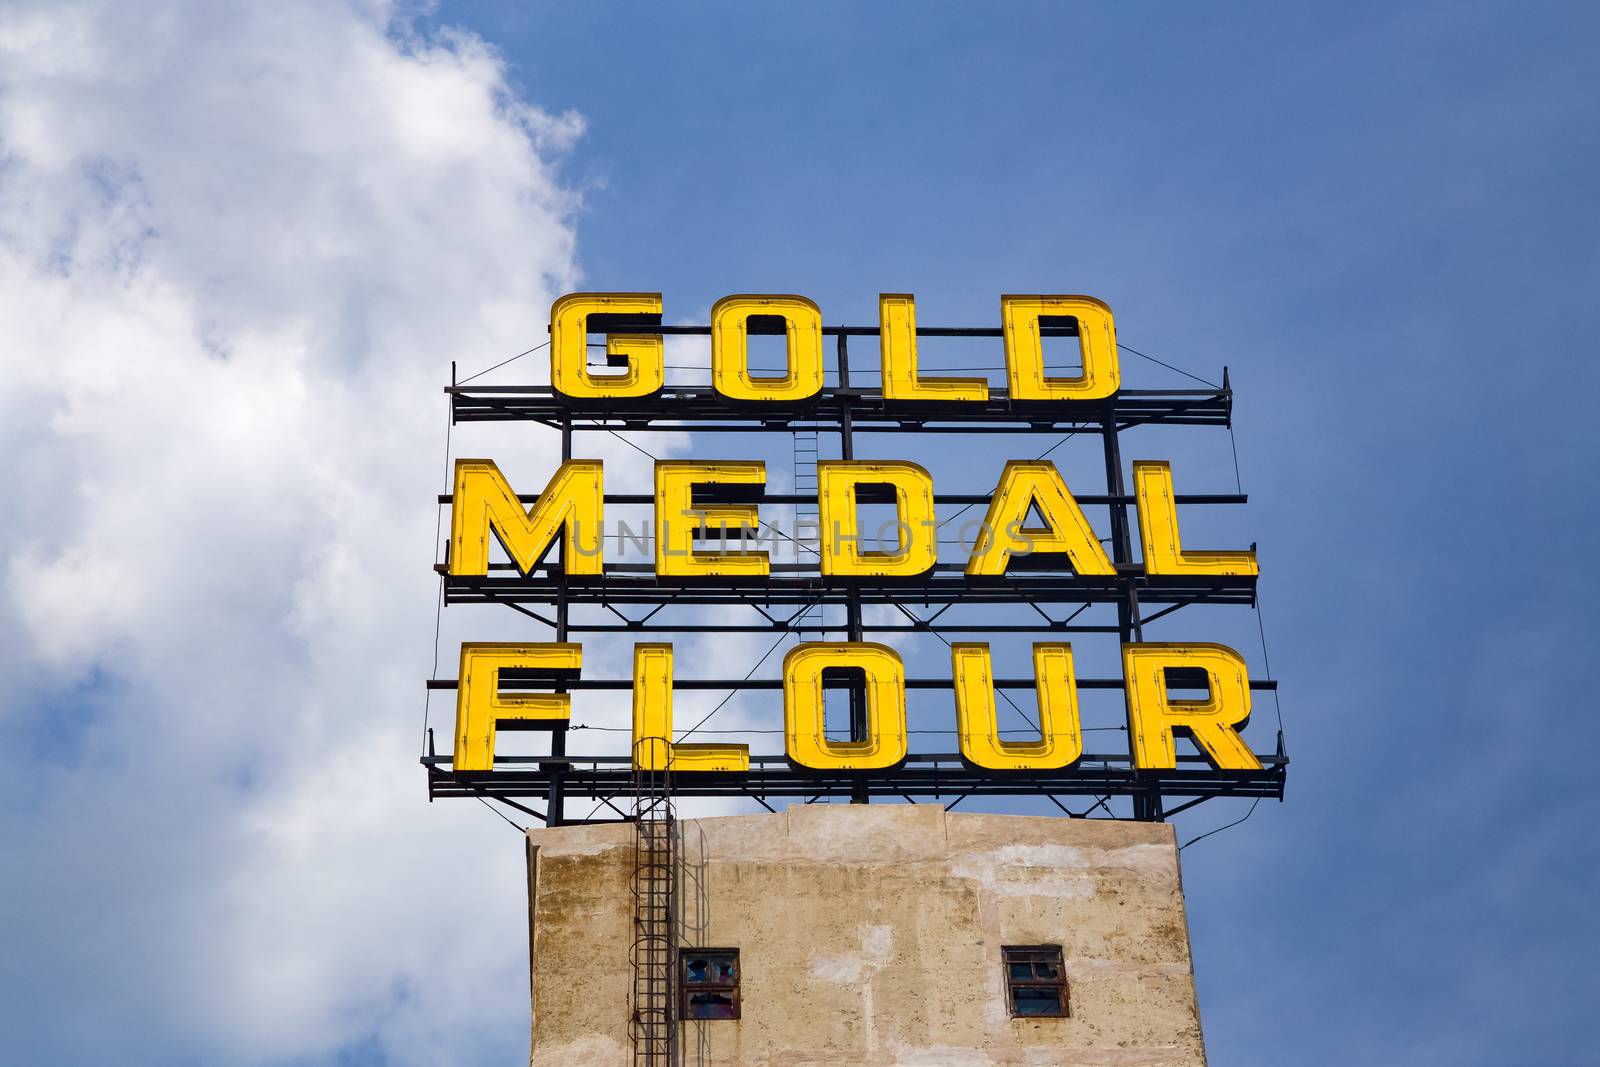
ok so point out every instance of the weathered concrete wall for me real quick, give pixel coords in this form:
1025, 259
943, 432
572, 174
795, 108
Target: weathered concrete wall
871, 935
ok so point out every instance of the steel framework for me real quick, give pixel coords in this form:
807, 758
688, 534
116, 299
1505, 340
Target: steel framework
629, 598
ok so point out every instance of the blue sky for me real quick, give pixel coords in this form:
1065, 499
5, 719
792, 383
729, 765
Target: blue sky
1378, 217
240, 243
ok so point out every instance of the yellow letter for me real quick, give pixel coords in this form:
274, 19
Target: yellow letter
803, 707
897, 338
730, 350
1026, 484
1060, 741
641, 352
916, 550
679, 518
480, 705
1214, 722
1097, 340
1158, 530
653, 749
572, 503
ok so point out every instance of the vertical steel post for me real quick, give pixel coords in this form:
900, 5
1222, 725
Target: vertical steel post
852, 608
555, 815
1147, 804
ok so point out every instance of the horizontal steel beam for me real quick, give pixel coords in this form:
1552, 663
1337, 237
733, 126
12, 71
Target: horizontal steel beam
700, 408
938, 775
812, 626
690, 330
759, 497
638, 584
509, 681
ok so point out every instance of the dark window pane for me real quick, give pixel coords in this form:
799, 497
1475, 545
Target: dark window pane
1035, 1001
695, 969
1021, 971
710, 1005
1047, 970
725, 970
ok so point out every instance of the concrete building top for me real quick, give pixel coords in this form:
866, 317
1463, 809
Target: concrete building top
874, 934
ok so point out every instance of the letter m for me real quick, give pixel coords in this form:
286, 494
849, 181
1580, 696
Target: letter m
570, 505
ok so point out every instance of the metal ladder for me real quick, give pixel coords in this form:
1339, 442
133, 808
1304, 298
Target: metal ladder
807, 520
651, 955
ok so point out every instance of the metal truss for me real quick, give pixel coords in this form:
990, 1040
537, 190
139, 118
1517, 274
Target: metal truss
939, 776
796, 599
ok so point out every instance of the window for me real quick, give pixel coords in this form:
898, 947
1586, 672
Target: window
710, 983
1035, 986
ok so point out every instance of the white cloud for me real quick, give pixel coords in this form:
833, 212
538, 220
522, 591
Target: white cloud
239, 245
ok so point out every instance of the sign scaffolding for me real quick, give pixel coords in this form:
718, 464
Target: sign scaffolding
946, 600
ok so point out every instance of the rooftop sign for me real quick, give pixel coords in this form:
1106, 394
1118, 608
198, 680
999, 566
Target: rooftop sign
708, 560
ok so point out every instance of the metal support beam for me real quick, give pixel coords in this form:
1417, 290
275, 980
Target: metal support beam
556, 803
796, 599
1147, 804
852, 607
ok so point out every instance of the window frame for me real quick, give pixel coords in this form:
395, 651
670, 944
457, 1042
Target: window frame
1058, 984
685, 986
